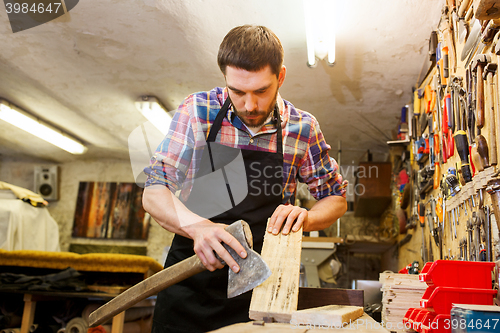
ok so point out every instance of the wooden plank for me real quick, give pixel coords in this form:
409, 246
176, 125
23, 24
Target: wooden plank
277, 297
315, 297
330, 315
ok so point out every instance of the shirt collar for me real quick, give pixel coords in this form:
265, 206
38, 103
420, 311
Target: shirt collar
268, 127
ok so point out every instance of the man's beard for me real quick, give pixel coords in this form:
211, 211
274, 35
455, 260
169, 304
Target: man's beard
262, 115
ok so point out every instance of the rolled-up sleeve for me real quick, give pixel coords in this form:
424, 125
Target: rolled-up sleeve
171, 161
318, 170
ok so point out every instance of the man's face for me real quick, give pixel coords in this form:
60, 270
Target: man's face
253, 93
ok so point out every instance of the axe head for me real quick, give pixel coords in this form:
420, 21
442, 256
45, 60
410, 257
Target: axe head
253, 270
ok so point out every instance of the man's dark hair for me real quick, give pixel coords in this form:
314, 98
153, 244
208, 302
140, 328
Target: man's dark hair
251, 48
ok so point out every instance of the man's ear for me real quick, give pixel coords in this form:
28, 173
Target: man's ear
281, 76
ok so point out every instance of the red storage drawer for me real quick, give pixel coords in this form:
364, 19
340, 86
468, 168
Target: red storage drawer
460, 274
442, 298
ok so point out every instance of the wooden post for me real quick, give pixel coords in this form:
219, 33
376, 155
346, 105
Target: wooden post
277, 297
28, 313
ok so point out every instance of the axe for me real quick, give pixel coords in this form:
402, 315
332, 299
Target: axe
253, 271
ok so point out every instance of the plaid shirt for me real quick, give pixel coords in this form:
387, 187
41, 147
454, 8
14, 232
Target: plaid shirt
305, 152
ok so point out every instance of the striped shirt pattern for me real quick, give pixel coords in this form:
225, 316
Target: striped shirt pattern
305, 151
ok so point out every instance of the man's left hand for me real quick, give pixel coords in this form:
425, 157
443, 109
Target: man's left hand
292, 216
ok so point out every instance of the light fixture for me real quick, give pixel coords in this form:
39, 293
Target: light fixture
155, 112
320, 31
31, 124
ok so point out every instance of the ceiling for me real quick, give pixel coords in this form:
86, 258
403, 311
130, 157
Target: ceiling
83, 71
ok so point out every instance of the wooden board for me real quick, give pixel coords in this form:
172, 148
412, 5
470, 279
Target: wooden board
277, 297
316, 297
330, 315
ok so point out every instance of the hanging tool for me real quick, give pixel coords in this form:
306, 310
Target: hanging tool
483, 152
489, 29
470, 228
474, 35
463, 8
478, 65
448, 41
421, 217
487, 227
489, 72
493, 188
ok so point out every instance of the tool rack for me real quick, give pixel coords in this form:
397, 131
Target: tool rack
456, 213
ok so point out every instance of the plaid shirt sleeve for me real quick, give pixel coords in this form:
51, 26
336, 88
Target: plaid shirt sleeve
318, 170
171, 163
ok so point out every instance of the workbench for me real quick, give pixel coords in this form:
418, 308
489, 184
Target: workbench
101, 268
364, 324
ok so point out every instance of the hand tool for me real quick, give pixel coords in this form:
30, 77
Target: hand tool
477, 66
474, 34
487, 227
452, 182
451, 126
497, 105
486, 9
477, 235
493, 188
471, 243
462, 251
253, 271
482, 150
489, 29
489, 71
421, 217
448, 41
463, 8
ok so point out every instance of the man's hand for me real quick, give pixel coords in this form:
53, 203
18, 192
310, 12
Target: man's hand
293, 216
207, 237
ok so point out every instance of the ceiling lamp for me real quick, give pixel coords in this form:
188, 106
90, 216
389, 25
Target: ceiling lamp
155, 112
31, 124
320, 31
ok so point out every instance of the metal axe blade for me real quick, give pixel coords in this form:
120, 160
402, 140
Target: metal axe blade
253, 270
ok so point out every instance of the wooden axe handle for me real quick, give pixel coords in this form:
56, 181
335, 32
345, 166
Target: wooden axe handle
149, 287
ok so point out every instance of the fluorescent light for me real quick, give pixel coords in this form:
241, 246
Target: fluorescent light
320, 31
35, 126
154, 111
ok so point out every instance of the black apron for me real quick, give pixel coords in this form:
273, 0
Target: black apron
200, 303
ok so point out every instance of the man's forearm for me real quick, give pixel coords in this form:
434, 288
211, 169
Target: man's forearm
168, 210
325, 212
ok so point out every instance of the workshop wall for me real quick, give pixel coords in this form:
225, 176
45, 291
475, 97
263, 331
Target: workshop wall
21, 173
452, 106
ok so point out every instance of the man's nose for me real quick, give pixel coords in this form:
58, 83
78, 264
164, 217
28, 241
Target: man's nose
251, 103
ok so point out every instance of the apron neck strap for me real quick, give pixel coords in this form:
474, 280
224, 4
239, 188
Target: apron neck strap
216, 126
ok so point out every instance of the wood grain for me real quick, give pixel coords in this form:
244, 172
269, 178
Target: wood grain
277, 297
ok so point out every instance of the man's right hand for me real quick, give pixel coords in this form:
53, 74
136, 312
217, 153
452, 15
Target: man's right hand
207, 237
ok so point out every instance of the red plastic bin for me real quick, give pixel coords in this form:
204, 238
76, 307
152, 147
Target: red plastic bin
439, 324
460, 274
416, 317
441, 299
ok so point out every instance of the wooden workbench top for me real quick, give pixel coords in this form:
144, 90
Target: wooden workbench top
364, 324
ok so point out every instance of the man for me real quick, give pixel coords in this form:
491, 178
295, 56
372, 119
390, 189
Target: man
278, 145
